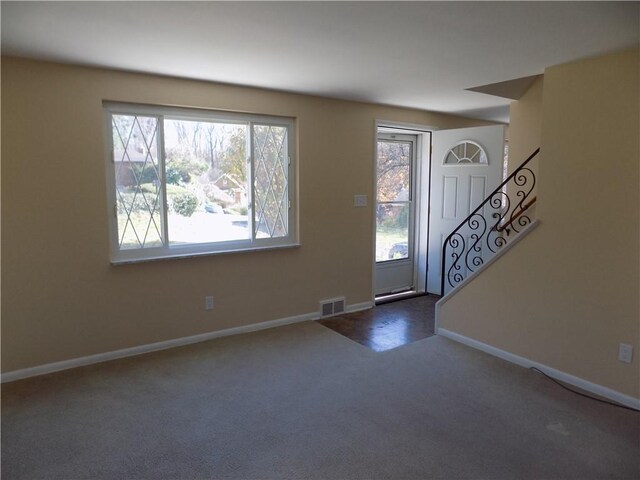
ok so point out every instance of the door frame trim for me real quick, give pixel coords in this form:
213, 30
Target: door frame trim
421, 194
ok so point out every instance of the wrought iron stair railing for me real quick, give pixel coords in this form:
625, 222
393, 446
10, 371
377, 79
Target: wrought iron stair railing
490, 227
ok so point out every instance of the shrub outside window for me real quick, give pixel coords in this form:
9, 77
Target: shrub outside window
184, 182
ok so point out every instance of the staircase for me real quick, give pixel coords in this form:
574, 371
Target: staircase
506, 215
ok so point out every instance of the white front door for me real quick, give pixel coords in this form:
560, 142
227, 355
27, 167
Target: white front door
395, 213
466, 166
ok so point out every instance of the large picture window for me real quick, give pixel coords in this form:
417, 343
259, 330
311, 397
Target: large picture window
186, 182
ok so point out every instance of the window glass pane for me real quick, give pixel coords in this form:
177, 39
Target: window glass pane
466, 152
185, 182
392, 231
206, 176
138, 185
270, 181
394, 171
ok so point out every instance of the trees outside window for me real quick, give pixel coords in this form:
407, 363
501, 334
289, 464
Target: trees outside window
191, 182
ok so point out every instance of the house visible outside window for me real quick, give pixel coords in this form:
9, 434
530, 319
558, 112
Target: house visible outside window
186, 182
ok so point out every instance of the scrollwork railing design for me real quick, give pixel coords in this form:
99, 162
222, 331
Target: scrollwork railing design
503, 214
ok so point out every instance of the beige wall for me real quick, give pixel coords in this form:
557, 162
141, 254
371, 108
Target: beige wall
60, 296
525, 128
568, 294
525, 136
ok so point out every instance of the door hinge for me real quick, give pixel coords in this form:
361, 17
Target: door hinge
115, 210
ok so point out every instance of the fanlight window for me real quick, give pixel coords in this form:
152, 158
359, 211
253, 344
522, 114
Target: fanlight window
466, 152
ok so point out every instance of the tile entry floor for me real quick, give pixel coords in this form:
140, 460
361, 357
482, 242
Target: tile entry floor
389, 325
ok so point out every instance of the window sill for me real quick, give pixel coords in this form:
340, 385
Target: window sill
178, 256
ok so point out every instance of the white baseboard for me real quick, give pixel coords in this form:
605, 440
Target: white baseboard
561, 376
357, 307
153, 347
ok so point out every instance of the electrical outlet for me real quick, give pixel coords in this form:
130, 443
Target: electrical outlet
208, 303
625, 353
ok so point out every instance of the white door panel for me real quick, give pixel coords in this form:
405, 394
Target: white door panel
460, 180
391, 278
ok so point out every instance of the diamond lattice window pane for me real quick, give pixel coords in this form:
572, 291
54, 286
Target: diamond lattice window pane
138, 181
270, 182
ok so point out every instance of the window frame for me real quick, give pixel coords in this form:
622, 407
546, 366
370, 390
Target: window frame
167, 251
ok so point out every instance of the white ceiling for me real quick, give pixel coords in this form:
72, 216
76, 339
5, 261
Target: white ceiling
412, 54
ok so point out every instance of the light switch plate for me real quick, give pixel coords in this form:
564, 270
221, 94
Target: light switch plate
359, 200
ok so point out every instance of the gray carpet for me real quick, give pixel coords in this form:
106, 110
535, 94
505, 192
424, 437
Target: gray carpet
305, 402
